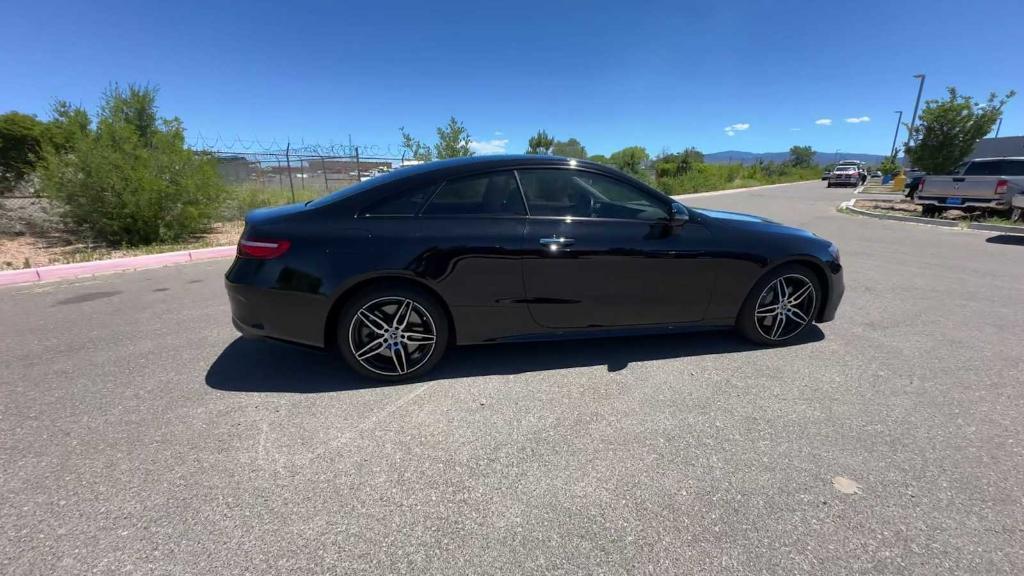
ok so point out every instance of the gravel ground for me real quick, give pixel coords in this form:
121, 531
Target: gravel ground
139, 435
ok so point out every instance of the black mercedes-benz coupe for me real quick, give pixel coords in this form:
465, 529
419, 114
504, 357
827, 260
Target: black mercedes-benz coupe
394, 270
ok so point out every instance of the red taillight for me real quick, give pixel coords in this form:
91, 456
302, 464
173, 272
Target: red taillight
262, 249
920, 186
1002, 186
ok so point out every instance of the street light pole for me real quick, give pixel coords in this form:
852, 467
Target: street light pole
913, 119
998, 126
897, 133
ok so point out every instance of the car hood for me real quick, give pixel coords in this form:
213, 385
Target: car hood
732, 216
750, 221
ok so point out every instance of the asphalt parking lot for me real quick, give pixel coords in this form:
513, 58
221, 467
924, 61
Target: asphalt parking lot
138, 434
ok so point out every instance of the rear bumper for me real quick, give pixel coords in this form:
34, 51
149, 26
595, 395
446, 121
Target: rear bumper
278, 314
999, 203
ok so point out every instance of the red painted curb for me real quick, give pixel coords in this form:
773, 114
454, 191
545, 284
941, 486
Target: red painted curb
66, 271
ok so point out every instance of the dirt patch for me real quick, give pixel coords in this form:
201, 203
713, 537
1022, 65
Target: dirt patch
908, 208
34, 248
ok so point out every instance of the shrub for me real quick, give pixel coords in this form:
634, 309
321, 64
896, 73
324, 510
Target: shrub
21, 138
131, 180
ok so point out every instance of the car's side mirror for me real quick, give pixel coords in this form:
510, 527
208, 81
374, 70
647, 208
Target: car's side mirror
679, 215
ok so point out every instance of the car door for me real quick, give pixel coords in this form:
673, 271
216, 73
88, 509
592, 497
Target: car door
470, 235
600, 252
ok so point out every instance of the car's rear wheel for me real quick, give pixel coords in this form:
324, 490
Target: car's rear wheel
392, 332
780, 306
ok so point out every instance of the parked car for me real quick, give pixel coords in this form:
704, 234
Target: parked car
826, 174
392, 271
844, 176
982, 184
1017, 213
876, 174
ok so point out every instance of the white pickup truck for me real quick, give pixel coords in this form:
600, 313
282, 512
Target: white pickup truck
981, 184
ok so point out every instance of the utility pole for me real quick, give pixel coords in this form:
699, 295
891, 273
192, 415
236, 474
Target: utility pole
998, 126
897, 133
913, 119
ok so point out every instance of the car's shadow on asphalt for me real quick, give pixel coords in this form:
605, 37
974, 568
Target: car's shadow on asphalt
262, 366
1008, 239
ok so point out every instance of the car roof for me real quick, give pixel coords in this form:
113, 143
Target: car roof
490, 161
438, 170
997, 158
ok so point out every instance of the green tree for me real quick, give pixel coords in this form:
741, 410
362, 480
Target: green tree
131, 180
452, 141
630, 159
21, 145
599, 158
889, 166
949, 129
416, 148
68, 125
540, 143
801, 156
570, 148
672, 165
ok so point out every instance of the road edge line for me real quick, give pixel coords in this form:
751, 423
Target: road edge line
735, 190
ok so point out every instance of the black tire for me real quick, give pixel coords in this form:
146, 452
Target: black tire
829, 185
929, 211
754, 328
426, 315
1017, 215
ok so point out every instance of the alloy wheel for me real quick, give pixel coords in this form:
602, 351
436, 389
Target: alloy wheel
785, 307
392, 336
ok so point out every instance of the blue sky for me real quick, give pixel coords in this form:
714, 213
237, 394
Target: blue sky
612, 74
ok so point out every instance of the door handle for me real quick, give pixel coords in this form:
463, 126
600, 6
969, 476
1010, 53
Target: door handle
959, 179
555, 242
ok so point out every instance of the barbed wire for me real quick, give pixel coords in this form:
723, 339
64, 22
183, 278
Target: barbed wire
221, 145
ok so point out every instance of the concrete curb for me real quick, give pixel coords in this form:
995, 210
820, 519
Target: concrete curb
735, 190
849, 206
67, 271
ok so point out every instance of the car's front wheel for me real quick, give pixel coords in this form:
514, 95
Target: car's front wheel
780, 306
392, 333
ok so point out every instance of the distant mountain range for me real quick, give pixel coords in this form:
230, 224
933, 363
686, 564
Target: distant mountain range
740, 157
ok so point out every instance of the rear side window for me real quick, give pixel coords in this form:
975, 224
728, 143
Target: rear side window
494, 194
996, 168
404, 203
582, 194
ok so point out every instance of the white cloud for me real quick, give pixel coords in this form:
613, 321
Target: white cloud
499, 133
496, 146
823, 121
858, 120
732, 129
